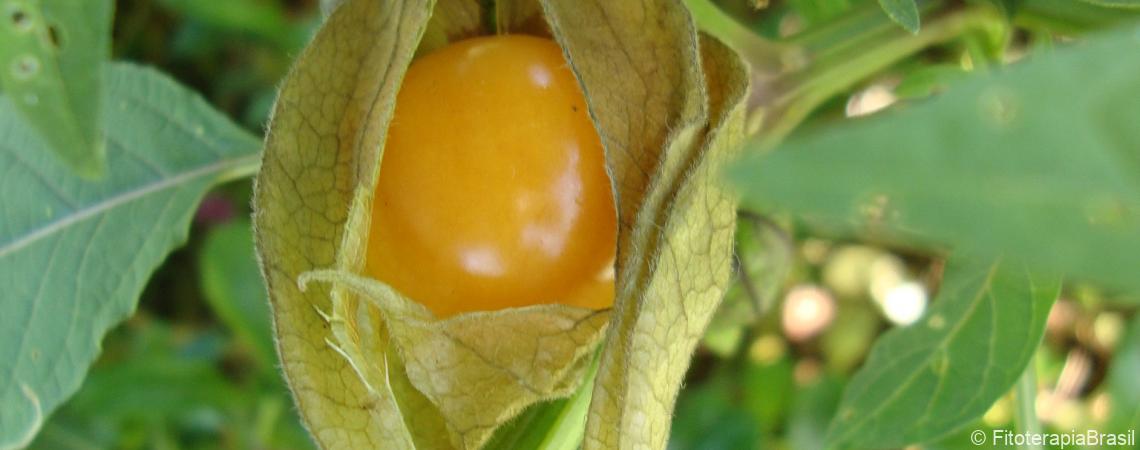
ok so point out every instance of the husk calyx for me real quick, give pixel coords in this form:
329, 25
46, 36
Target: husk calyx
370, 368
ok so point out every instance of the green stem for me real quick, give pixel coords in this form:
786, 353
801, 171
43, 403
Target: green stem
244, 167
1025, 394
802, 91
762, 54
1070, 17
556, 425
568, 430
848, 30
793, 77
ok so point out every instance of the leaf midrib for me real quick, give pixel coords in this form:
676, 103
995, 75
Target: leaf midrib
985, 288
95, 209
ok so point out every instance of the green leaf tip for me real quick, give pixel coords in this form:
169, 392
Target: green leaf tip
903, 12
930, 378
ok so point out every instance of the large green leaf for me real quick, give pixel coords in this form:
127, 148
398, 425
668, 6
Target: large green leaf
1039, 161
75, 254
51, 64
926, 380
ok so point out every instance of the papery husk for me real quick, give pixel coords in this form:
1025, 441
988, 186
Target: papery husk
317, 151
370, 368
676, 219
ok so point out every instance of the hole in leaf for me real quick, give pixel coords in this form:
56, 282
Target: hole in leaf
25, 67
55, 37
20, 19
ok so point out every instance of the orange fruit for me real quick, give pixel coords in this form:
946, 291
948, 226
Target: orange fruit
493, 191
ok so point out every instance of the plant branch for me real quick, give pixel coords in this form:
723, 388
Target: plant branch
244, 167
791, 78
803, 91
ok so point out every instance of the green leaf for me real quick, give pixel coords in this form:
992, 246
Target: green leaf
903, 12
1008, 8
927, 80
767, 390
923, 381
264, 20
158, 378
710, 417
52, 54
149, 377
1124, 4
75, 254
231, 283
817, 11
554, 425
1018, 163
812, 407
1070, 17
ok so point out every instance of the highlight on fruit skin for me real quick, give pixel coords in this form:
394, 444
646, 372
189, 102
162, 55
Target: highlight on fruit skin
493, 191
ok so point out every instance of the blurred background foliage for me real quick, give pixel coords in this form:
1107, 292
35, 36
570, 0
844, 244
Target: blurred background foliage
195, 367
